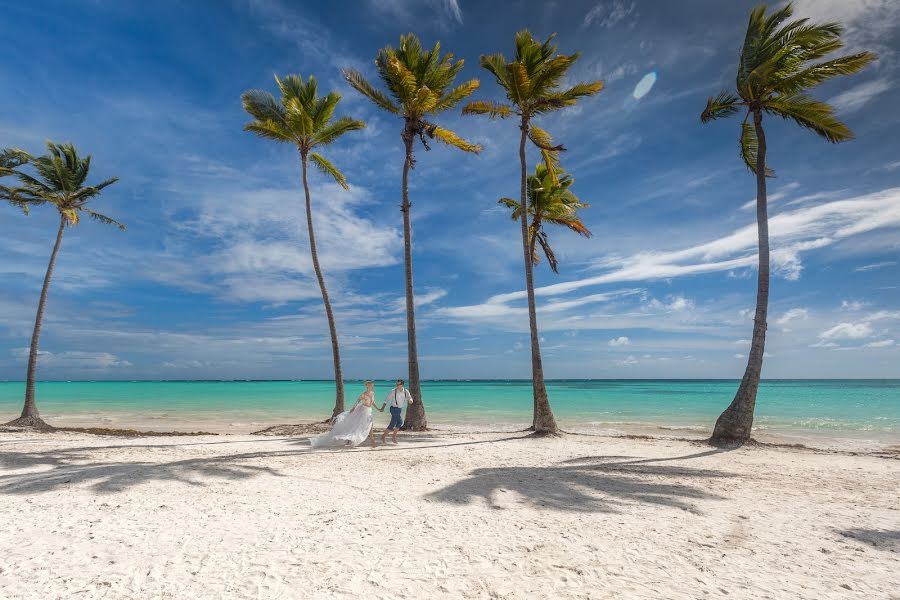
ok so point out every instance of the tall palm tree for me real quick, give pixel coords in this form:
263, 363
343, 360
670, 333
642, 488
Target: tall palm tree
549, 201
60, 181
532, 82
10, 160
775, 69
419, 87
303, 118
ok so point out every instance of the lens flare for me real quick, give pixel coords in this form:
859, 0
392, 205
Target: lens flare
644, 86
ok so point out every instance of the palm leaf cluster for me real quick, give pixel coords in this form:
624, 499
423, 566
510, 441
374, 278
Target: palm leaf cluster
60, 181
549, 202
10, 160
532, 82
419, 86
778, 64
302, 118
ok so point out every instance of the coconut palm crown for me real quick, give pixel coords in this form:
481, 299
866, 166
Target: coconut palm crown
776, 68
532, 83
302, 118
419, 87
60, 181
549, 202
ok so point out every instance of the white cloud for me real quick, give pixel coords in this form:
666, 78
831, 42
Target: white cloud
878, 265
791, 234
847, 331
739, 356
609, 13
630, 360
421, 299
792, 315
256, 246
405, 9
853, 305
619, 341
880, 344
675, 303
858, 96
75, 360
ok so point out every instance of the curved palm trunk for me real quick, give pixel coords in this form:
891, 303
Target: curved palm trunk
30, 416
335, 350
415, 413
543, 421
734, 425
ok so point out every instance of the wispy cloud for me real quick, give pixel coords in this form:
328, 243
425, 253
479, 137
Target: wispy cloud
609, 13
857, 97
620, 341
878, 265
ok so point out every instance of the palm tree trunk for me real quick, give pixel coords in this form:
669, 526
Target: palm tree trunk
543, 421
30, 416
415, 413
335, 350
734, 425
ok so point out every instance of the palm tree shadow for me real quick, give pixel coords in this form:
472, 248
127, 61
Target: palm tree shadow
76, 468
589, 485
883, 539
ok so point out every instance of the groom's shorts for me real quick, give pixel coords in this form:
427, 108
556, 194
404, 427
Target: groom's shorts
396, 418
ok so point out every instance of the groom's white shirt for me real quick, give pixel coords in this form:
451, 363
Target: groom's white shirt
395, 398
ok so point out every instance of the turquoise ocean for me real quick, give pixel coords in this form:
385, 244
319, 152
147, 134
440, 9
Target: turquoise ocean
858, 409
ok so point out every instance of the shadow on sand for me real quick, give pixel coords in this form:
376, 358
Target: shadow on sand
589, 484
80, 465
883, 539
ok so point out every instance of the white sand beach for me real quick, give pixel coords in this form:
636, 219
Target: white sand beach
442, 516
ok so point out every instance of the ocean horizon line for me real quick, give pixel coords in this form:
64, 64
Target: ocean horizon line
454, 380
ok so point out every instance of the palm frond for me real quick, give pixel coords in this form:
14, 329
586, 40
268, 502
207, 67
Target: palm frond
750, 148
810, 114
820, 73
329, 133
486, 107
329, 169
361, 85
103, 218
452, 139
718, 107
456, 95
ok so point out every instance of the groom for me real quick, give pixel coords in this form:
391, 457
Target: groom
396, 398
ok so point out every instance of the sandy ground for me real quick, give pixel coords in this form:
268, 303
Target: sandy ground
442, 516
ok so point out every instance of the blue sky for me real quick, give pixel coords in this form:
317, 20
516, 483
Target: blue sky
213, 280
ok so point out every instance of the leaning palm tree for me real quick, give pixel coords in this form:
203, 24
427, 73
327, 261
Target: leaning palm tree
550, 201
60, 181
532, 83
303, 119
776, 67
10, 160
419, 87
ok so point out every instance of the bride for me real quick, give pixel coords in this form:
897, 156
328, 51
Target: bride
351, 427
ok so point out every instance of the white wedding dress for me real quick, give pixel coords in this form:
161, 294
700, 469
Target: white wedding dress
351, 427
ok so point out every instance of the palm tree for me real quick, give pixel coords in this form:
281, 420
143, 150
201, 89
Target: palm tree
303, 118
775, 69
550, 202
420, 86
532, 83
10, 160
60, 181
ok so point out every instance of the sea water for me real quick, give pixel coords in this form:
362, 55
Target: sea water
862, 409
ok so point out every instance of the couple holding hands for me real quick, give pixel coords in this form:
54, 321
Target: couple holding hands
352, 427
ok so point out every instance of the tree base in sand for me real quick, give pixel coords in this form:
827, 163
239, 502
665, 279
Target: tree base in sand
30, 422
